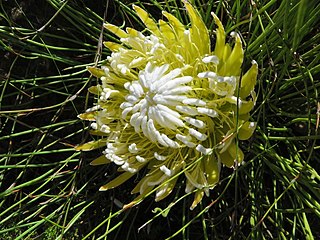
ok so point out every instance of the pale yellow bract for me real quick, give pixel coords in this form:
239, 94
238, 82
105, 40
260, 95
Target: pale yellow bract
170, 104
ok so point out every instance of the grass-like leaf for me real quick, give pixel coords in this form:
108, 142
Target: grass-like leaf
50, 191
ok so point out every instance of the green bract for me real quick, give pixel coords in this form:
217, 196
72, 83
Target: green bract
169, 103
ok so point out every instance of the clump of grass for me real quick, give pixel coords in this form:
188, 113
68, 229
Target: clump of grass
47, 190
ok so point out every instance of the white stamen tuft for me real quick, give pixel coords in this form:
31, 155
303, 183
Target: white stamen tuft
94, 125
140, 159
207, 75
92, 109
161, 191
187, 110
105, 128
203, 150
194, 101
166, 171
133, 148
208, 59
170, 142
127, 168
233, 34
252, 125
198, 135
195, 122
207, 111
159, 157
186, 140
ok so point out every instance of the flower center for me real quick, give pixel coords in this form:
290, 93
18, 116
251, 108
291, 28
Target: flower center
159, 105
150, 98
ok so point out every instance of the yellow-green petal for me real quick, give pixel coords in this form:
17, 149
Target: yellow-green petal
138, 199
167, 32
97, 72
89, 116
150, 24
246, 130
232, 66
112, 46
117, 181
227, 159
132, 32
178, 27
91, 145
167, 188
236, 152
199, 31
100, 161
211, 168
96, 90
116, 30
197, 198
245, 107
220, 38
232, 154
248, 80
98, 133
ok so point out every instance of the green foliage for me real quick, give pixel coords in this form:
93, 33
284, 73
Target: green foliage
49, 191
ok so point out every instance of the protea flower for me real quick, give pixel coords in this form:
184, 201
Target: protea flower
169, 103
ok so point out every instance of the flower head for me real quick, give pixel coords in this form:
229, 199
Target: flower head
169, 103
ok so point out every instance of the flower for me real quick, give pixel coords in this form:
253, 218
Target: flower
169, 103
